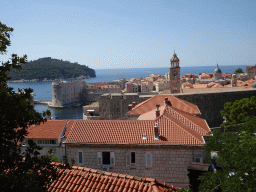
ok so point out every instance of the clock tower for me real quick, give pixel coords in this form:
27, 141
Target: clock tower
175, 74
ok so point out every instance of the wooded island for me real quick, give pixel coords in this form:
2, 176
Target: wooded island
51, 69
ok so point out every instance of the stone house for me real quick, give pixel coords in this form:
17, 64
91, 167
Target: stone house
164, 140
161, 85
131, 87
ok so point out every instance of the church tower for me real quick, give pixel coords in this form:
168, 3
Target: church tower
175, 74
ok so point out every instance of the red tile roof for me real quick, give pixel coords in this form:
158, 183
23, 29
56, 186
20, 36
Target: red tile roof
172, 132
91, 180
178, 125
51, 129
151, 103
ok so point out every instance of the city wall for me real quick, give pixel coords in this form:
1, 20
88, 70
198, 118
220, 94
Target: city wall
115, 106
210, 104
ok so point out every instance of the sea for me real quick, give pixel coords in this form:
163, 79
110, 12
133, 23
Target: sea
43, 90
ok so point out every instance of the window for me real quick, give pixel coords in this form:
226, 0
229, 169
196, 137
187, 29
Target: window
148, 160
80, 157
130, 159
47, 141
106, 158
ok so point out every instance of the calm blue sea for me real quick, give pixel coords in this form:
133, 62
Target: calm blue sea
43, 90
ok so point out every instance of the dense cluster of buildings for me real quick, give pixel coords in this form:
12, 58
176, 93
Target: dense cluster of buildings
158, 138
162, 137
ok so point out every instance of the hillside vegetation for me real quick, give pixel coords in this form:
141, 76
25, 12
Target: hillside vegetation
51, 69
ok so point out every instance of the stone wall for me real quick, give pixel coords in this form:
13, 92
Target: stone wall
168, 164
115, 106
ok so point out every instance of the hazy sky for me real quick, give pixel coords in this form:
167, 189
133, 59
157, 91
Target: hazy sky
133, 33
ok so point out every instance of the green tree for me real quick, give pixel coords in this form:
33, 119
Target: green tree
239, 70
235, 163
19, 171
236, 112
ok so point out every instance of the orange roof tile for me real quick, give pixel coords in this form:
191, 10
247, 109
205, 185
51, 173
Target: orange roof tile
48, 130
151, 103
173, 132
188, 84
86, 179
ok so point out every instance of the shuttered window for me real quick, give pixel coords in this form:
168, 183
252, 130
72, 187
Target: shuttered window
99, 157
148, 160
128, 159
80, 157
112, 158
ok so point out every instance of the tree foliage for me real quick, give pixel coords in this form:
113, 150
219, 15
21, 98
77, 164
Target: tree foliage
235, 163
236, 112
51, 69
27, 171
239, 70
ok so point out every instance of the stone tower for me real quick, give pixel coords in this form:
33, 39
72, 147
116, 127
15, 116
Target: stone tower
175, 74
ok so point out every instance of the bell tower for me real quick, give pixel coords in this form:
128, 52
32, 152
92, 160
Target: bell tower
175, 74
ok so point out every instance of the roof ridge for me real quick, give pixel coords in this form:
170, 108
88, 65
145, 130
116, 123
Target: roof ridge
143, 102
185, 103
182, 127
200, 128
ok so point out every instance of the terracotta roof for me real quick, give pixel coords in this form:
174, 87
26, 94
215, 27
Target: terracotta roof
250, 66
151, 103
51, 129
48, 130
177, 132
91, 180
173, 132
194, 122
204, 76
69, 126
246, 84
153, 75
187, 84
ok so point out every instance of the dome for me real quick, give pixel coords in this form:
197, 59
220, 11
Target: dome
217, 70
253, 85
174, 58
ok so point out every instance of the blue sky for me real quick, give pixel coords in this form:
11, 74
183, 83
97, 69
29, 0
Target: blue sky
133, 33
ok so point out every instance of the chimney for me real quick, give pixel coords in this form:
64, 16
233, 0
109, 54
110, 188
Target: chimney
156, 136
129, 107
133, 104
166, 102
157, 111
